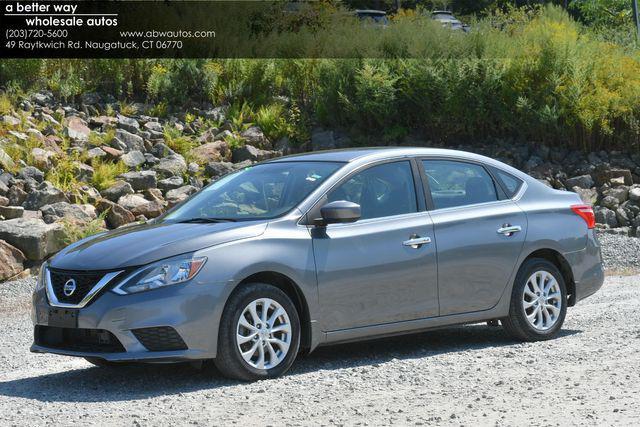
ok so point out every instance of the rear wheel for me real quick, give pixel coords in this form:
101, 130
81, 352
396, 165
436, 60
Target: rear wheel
259, 333
538, 302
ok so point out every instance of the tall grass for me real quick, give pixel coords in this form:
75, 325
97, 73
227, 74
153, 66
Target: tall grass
536, 75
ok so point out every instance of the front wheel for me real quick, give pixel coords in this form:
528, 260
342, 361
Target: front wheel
538, 302
259, 334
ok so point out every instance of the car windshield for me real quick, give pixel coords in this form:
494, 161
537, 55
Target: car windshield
257, 192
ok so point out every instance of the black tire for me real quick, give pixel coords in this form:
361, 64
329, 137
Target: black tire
101, 363
516, 324
229, 361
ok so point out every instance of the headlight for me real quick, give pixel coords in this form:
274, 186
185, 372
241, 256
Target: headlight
41, 279
171, 271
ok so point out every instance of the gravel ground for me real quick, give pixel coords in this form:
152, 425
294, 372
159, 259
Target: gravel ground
472, 375
620, 253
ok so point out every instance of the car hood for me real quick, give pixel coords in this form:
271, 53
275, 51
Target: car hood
141, 244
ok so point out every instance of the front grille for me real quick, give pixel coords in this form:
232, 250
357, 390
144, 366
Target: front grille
75, 339
84, 281
163, 338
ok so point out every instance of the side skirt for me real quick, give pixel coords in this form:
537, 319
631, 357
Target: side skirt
412, 326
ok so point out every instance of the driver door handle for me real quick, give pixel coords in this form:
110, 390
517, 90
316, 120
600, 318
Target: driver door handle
416, 241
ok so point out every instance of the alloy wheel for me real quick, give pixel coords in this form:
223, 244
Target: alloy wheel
263, 333
542, 300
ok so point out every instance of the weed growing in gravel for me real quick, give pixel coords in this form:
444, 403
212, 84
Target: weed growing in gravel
64, 175
179, 143
21, 150
273, 122
97, 139
5, 104
105, 173
127, 109
74, 231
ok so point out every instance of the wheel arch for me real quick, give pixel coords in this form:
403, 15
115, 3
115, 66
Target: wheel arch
557, 259
294, 292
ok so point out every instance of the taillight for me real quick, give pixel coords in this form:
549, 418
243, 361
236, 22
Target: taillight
585, 212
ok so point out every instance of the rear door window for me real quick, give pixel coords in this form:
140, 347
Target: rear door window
454, 183
510, 183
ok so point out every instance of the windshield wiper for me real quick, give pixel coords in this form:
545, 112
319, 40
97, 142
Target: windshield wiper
205, 220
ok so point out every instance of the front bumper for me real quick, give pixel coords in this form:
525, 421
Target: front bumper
193, 310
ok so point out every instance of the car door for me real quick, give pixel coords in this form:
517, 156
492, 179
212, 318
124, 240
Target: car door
371, 271
479, 234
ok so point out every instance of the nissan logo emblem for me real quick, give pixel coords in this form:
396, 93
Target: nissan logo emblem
69, 287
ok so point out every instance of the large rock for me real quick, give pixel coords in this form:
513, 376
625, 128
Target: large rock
171, 165
77, 129
11, 121
140, 180
42, 158
44, 194
31, 172
180, 194
16, 196
77, 214
170, 183
254, 136
582, 181
217, 114
138, 205
112, 153
218, 169
249, 152
605, 216
85, 193
161, 150
130, 140
620, 194
11, 260
6, 161
634, 194
323, 140
622, 216
116, 215
117, 190
620, 177
35, 238
96, 152
153, 127
128, 124
588, 195
11, 212
211, 152
133, 159
84, 172
155, 195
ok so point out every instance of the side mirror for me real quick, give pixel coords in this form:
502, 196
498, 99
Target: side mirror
339, 212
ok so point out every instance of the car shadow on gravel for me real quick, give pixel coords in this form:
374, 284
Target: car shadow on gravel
147, 381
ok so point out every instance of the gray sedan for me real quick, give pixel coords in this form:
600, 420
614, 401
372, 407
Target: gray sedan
303, 251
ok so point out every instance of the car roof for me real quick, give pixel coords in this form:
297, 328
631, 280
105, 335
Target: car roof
348, 155
360, 156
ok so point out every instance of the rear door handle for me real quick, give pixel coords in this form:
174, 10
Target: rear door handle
509, 230
416, 242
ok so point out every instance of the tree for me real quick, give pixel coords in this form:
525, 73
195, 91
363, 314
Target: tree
603, 13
